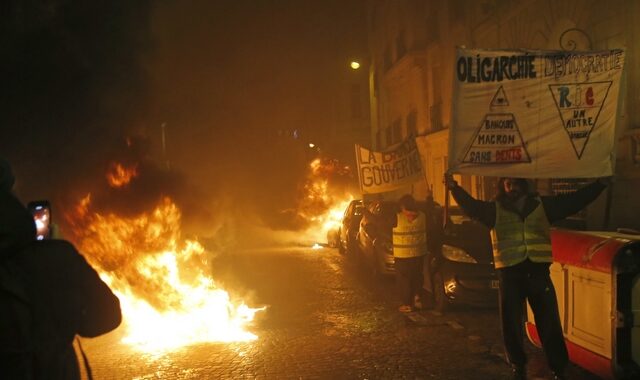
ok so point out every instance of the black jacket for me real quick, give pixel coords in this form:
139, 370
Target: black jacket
68, 297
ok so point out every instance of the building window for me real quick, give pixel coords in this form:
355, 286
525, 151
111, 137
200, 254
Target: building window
387, 60
487, 6
431, 22
397, 131
401, 46
436, 83
635, 148
375, 83
435, 111
412, 123
373, 17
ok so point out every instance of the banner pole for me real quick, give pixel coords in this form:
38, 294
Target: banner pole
358, 164
445, 214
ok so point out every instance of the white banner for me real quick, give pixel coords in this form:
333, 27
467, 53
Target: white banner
534, 114
386, 171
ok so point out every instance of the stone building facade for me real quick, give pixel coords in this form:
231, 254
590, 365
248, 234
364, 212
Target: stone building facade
412, 50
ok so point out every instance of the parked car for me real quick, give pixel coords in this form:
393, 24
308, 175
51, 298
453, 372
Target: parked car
463, 272
460, 271
374, 239
349, 227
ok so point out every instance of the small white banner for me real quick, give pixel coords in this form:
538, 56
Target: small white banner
534, 114
386, 171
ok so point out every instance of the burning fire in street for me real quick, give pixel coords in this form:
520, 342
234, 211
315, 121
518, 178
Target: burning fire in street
119, 175
323, 203
167, 298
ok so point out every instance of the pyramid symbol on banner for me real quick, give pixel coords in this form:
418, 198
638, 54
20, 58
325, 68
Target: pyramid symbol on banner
579, 105
500, 98
497, 141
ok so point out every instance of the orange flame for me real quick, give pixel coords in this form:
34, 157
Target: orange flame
167, 298
322, 205
119, 176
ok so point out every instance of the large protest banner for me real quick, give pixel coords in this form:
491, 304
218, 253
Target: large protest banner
386, 171
534, 114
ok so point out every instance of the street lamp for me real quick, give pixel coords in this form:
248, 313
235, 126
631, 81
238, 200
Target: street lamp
355, 65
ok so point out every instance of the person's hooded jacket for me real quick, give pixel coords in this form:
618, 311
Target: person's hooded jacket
67, 297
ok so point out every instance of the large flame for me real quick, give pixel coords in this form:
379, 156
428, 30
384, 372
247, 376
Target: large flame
322, 204
333, 218
167, 298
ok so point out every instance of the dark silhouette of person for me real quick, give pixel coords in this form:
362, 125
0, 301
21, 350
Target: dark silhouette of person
434, 214
49, 294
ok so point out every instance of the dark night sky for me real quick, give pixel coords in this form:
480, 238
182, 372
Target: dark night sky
78, 77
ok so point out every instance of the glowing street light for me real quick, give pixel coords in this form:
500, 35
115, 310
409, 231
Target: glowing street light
355, 65
311, 145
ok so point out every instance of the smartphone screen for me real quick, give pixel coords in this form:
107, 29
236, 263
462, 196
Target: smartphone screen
41, 211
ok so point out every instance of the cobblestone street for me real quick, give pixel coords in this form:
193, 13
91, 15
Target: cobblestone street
324, 319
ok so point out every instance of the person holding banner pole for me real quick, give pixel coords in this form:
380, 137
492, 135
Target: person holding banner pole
445, 214
520, 233
435, 239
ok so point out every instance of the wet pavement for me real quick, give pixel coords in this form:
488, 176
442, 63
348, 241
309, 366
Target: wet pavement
325, 319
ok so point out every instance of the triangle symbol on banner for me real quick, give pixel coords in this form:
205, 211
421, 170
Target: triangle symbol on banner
497, 141
500, 98
579, 105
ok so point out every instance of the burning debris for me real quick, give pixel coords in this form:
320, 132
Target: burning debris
119, 175
167, 297
324, 197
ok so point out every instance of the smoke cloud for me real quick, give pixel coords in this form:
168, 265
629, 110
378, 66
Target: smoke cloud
201, 95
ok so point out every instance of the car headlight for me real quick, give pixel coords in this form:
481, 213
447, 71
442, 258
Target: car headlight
457, 254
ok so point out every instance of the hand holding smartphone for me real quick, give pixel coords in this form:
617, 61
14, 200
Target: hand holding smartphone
41, 211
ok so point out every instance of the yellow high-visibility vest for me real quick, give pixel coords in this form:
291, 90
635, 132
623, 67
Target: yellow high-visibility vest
409, 237
515, 239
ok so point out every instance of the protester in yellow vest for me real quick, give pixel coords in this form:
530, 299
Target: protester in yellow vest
519, 223
409, 249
